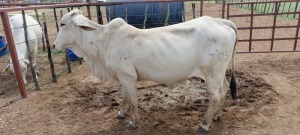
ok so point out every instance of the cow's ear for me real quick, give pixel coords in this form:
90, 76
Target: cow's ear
84, 24
75, 12
87, 28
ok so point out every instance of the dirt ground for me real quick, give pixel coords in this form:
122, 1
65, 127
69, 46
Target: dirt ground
268, 92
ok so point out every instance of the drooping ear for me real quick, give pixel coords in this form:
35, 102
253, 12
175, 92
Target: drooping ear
83, 23
6, 68
87, 28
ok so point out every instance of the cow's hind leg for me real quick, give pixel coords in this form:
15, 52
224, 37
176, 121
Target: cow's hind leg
130, 89
34, 54
213, 88
223, 91
124, 105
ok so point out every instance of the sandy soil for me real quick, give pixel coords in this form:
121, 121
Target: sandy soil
80, 104
268, 91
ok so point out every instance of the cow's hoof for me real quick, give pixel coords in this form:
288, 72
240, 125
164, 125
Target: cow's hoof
216, 119
119, 117
202, 131
36, 70
131, 126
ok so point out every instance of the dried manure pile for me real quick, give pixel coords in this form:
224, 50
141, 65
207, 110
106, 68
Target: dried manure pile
81, 104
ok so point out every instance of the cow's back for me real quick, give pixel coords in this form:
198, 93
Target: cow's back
33, 28
177, 52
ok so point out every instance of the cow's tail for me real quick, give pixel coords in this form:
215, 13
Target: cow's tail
233, 86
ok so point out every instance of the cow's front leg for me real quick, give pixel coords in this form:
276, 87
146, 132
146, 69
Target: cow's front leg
130, 89
36, 71
124, 105
214, 104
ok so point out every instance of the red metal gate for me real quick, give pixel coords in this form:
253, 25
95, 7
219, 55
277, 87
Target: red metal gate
264, 32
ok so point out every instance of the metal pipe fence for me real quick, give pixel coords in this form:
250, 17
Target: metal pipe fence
234, 10
277, 23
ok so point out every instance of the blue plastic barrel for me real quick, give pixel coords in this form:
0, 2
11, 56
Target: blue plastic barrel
72, 55
156, 13
3, 46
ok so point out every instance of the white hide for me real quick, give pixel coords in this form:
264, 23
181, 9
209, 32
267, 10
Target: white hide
122, 54
34, 37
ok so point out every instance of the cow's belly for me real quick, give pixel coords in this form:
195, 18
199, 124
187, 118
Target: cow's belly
169, 66
163, 74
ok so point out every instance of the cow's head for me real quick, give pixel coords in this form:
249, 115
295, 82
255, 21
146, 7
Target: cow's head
72, 27
23, 66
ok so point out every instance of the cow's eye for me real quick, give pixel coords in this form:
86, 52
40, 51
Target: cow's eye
62, 24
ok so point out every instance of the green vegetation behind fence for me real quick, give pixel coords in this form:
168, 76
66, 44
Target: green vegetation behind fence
270, 7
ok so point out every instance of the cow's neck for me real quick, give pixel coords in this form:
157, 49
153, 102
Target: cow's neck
94, 46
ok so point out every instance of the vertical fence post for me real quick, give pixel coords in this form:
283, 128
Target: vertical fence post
228, 11
247, 5
38, 19
273, 7
274, 24
66, 51
241, 5
99, 15
268, 10
108, 17
289, 9
89, 10
55, 17
33, 68
260, 7
80, 59
251, 27
255, 7
297, 32
54, 77
13, 53
145, 20
223, 8
168, 14
182, 13
126, 14
194, 10
265, 7
296, 9
283, 7
201, 7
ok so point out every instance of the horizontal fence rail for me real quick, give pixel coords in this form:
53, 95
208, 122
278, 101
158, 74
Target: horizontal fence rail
239, 11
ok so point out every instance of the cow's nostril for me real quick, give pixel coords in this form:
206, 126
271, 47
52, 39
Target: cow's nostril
54, 46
